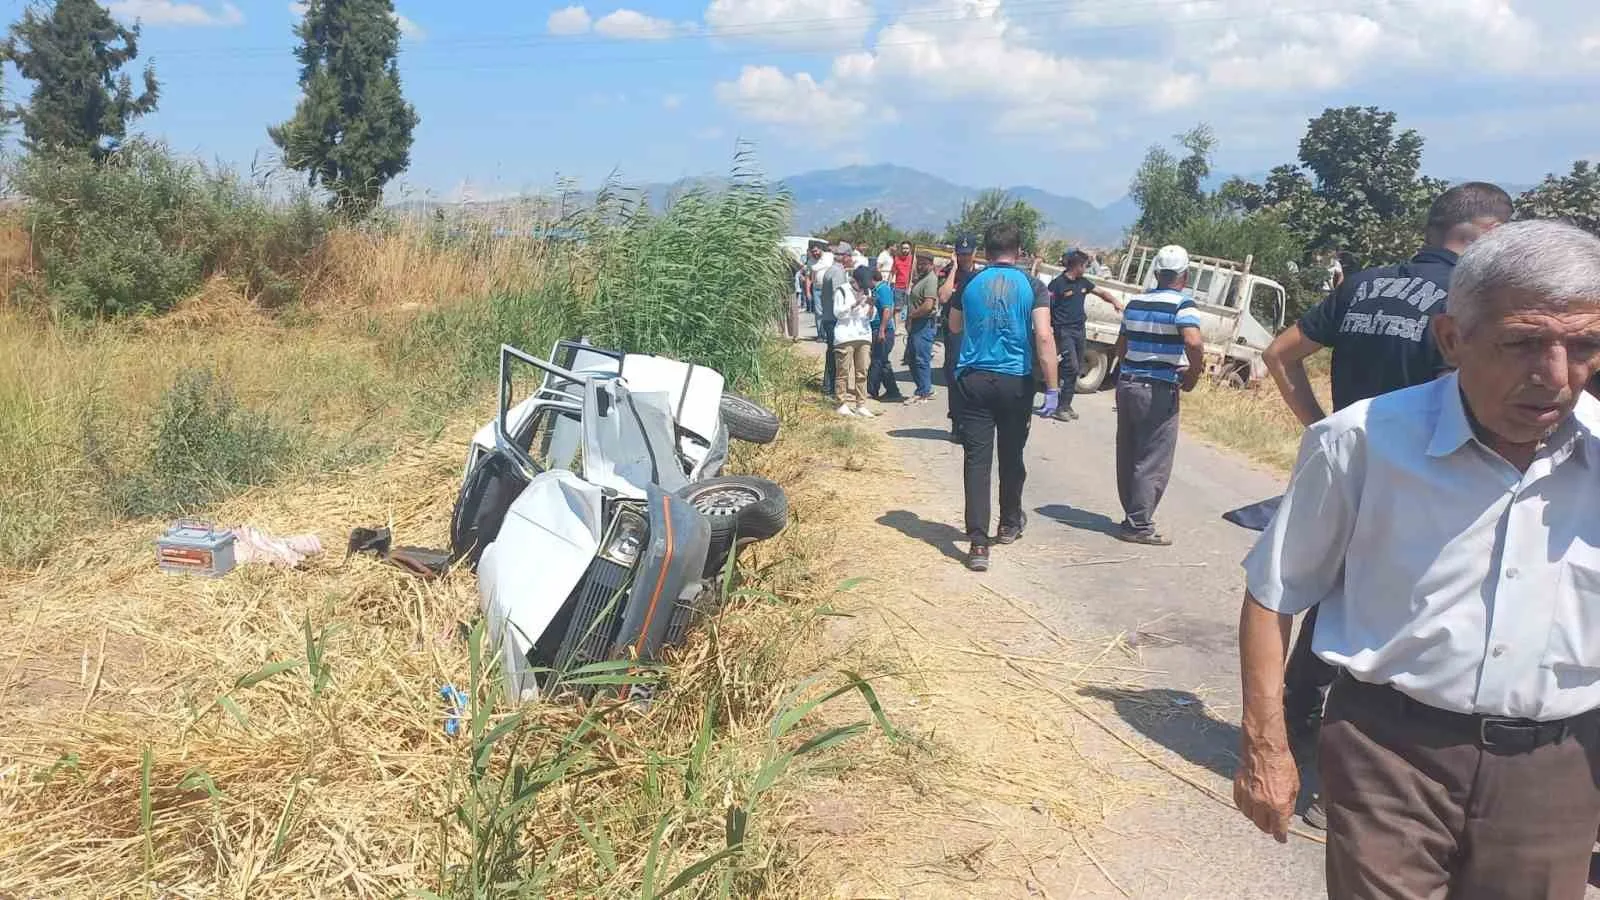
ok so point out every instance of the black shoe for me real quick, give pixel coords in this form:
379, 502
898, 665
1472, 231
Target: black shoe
1064, 415
1316, 816
1009, 534
1148, 538
978, 558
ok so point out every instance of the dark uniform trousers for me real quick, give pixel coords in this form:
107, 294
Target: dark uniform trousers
1070, 346
995, 411
1426, 804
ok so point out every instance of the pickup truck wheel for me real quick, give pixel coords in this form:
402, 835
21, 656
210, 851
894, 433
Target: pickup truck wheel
1235, 377
741, 509
747, 420
1096, 366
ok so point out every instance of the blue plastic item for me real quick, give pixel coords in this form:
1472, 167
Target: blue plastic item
193, 547
456, 701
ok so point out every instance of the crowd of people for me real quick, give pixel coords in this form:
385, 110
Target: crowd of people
1439, 533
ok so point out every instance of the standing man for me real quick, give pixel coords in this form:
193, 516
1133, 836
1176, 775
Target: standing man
880, 378
901, 271
1067, 316
1002, 318
1377, 324
922, 308
959, 275
832, 281
1162, 352
821, 262
885, 263
1448, 532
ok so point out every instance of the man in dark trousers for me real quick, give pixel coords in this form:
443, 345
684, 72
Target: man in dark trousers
1001, 317
955, 279
1162, 353
1067, 316
837, 276
1376, 321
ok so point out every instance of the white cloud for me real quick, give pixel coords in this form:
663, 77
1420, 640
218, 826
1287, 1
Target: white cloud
409, 28
568, 20
169, 12
671, 101
632, 25
792, 23
766, 94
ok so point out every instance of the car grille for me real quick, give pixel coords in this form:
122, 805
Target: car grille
684, 615
596, 612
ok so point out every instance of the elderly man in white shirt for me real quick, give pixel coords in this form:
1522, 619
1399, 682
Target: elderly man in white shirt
1451, 532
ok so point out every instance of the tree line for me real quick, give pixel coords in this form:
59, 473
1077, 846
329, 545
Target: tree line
1355, 187
350, 134
871, 229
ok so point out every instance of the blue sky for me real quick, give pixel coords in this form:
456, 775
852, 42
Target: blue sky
1061, 94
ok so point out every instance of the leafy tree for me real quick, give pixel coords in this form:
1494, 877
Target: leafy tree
72, 50
1367, 195
869, 227
1574, 197
351, 132
993, 206
1169, 190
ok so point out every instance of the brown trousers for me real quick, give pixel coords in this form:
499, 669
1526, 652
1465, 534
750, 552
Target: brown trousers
851, 361
1419, 810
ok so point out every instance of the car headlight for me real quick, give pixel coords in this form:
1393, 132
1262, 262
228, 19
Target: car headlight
627, 538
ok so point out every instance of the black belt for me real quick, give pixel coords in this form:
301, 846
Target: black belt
1147, 379
1503, 734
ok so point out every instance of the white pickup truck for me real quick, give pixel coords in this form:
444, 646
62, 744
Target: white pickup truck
1239, 314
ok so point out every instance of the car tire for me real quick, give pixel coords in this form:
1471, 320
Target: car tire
741, 509
1096, 367
747, 420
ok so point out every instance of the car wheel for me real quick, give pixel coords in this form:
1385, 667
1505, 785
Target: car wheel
747, 420
1096, 366
741, 509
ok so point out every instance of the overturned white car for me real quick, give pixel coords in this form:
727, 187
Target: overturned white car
595, 512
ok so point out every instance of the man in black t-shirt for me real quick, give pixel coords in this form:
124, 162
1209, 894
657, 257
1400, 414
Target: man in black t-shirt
960, 273
1377, 322
1067, 317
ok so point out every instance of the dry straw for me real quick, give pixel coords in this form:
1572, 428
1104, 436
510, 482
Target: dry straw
280, 733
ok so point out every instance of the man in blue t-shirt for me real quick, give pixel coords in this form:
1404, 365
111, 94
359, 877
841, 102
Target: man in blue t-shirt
1162, 352
880, 377
1000, 318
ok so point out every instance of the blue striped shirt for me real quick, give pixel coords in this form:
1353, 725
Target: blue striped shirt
1153, 325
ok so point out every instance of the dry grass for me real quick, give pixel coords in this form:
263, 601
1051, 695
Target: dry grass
1254, 420
113, 671
77, 399
407, 267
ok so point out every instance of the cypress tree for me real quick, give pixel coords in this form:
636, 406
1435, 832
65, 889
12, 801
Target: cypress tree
351, 132
72, 50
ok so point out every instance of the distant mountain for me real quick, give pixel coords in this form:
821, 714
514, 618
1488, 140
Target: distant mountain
913, 199
910, 198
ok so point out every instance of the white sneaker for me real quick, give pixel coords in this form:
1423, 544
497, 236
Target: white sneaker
847, 411
865, 413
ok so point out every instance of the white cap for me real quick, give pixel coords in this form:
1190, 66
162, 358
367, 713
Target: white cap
1171, 258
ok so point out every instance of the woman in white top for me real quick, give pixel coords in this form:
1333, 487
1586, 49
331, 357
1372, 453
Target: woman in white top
852, 344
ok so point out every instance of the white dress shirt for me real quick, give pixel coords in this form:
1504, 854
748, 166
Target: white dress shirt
1441, 569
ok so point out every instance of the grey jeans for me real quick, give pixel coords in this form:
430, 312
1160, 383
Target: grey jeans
1147, 438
